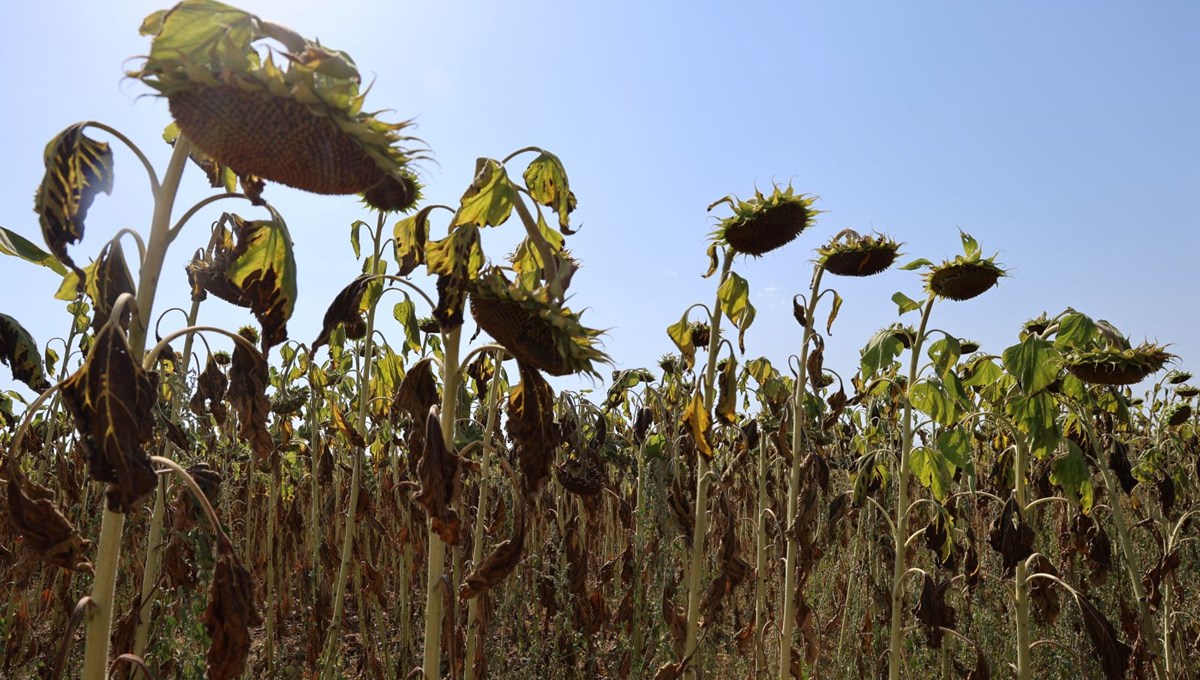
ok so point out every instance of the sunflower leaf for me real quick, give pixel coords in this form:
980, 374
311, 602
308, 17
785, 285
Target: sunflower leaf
12, 243
77, 167
19, 350
489, 199
546, 180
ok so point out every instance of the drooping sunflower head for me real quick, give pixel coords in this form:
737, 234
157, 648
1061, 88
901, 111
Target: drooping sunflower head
764, 223
1114, 365
298, 122
966, 276
533, 326
852, 254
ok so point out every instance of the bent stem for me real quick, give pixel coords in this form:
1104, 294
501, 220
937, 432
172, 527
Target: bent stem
900, 527
799, 391
108, 552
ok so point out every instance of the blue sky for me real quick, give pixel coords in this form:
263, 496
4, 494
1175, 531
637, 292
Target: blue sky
1062, 135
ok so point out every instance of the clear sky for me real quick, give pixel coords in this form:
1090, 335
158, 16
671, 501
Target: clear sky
1063, 135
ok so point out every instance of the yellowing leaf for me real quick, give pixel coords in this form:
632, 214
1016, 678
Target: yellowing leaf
77, 167
734, 296
265, 273
697, 423
546, 180
489, 199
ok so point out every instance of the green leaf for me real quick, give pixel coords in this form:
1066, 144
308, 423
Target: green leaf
354, 237
546, 180
527, 259
881, 350
932, 471
265, 273
945, 353
833, 312
77, 167
406, 313
905, 303
1076, 330
1033, 362
20, 352
983, 372
916, 264
931, 399
1070, 471
12, 243
955, 446
969, 244
489, 199
734, 297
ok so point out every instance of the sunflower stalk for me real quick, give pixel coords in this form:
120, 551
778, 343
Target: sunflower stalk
108, 551
696, 564
364, 399
900, 526
473, 638
799, 394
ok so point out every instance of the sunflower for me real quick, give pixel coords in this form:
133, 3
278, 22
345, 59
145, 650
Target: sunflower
765, 223
533, 327
1115, 365
851, 254
966, 276
301, 125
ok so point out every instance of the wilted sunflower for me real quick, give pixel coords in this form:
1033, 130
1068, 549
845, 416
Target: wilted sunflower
1178, 414
301, 125
852, 254
1115, 365
533, 327
765, 223
966, 276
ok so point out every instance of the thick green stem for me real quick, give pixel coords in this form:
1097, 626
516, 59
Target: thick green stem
696, 564
900, 528
437, 549
791, 564
108, 552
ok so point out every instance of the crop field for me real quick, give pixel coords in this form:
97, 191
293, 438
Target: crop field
412, 493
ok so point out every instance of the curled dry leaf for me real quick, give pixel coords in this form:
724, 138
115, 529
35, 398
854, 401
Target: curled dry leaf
1011, 536
47, 532
345, 310
19, 350
210, 392
1041, 591
1112, 653
418, 391
109, 280
248, 379
228, 619
500, 562
440, 474
733, 568
77, 167
110, 397
531, 426
932, 610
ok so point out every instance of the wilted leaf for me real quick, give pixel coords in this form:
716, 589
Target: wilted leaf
1011, 536
345, 311
248, 380
440, 474
489, 199
409, 237
19, 350
734, 297
727, 394
210, 391
500, 562
77, 167
228, 619
418, 391
110, 398
456, 260
733, 568
697, 423
1042, 593
546, 180
46, 531
531, 426
932, 610
680, 333
1112, 653
107, 282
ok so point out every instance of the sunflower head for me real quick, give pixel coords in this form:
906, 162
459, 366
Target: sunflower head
1178, 414
852, 254
764, 223
1115, 365
1178, 377
533, 326
966, 276
1186, 391
298, 122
